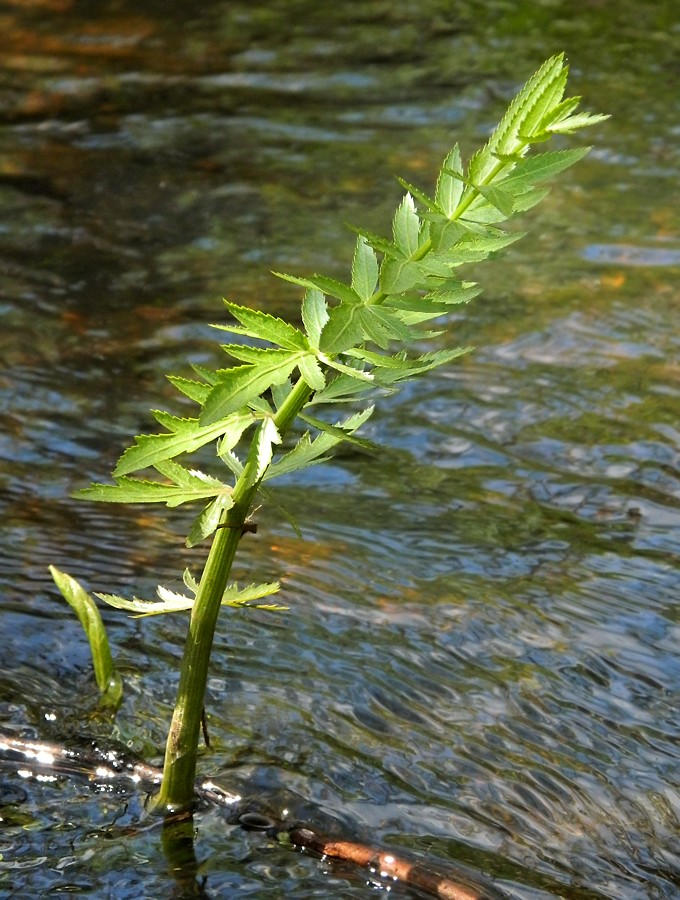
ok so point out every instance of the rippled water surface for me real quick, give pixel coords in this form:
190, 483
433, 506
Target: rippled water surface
480, 662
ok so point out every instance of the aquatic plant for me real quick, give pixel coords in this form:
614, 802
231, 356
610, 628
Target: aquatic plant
350, 347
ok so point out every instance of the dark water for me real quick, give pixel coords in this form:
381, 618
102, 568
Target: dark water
480, 663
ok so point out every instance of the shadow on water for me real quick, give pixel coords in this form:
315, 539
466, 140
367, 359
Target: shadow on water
480, 661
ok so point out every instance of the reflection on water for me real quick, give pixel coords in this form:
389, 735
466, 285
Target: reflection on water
480, 661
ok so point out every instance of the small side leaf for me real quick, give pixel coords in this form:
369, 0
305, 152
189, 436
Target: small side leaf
339, 432
108, 679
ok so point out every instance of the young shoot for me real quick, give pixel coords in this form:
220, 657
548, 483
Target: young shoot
352, 343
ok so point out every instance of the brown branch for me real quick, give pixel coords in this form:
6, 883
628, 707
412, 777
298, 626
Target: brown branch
99, 763
385, 864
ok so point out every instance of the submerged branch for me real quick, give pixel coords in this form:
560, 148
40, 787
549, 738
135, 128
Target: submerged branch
100, 763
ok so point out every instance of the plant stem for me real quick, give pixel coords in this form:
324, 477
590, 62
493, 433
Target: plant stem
181, 751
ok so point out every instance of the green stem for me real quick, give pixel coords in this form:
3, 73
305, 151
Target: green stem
181, 752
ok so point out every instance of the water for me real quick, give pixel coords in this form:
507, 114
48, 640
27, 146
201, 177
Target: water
480, 660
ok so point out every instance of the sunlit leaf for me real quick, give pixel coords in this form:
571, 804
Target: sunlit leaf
339, 432
391, 375
107, 676
382, 326
427, 202
208, 520
262, 450
364, 270
312, 373
258, 324
314, 314
450, 183
135, 490
326, 285
406, 227
381, 244
242, 383
342, 330
187, 435
399, 275
308, 452
195, 390
173, 602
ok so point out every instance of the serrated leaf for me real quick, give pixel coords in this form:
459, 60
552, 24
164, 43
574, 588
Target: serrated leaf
575, 123
338, 432
450, 183
364, 270
390, 375
475, 248
187, 435
502, 200
312, 372
195, 390
381, 244
262, 450
444, 234
210, 376
189, 479
427, 202
399, 275
308, 452
280, 392
235, 596
134, 490
406, 227
314, 314
528, 199
436, 303
533, 169
382, 325
207, 521
342, 330
342, 388
189, 581
231, 460
253, 355
460, 294
326, 285
258, 324
356, 374
173, 602
241, 384
305, 453
543, 89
